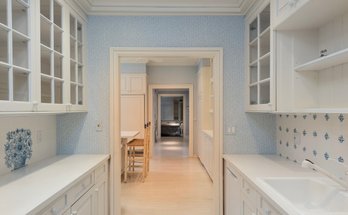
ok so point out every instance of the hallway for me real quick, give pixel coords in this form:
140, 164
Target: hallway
176, 184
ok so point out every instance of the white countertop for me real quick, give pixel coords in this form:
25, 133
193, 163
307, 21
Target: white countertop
25, 189
256, 167
129, 134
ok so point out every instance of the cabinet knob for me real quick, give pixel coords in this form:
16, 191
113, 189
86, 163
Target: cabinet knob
97, 190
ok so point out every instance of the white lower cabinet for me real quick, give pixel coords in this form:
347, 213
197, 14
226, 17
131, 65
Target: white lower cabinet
87, 196
240, 197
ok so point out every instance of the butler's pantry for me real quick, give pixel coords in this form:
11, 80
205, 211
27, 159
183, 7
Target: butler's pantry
195, 107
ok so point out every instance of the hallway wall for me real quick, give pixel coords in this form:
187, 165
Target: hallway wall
255, 133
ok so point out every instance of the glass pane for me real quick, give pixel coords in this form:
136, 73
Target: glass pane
72, 71
265, 68
45, 8
253, 95
57, 14
46, 96
45, 33
80, 92
73, 94
265, 18
3, 45
79, 32
80, 54
58, 92
45, 61
58, 66
20, 86
265, 93
265, 43
72, 26
3, 12
19, 17
73, 49
20, 51
58, 39
253, 74
4, 86
253, 51
253, 30
80, 77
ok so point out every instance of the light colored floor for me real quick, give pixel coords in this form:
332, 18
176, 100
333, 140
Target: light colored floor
170, 147
176, 185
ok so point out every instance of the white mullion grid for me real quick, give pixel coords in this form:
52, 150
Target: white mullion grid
258, 59
52, 51
10, 50
76, 64
29, 46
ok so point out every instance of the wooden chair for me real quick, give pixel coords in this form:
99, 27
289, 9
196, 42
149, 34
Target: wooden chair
138, 154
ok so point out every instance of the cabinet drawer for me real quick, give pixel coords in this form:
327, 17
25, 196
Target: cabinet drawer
250, 192
57, 207
268, 209
101, 171
80, 188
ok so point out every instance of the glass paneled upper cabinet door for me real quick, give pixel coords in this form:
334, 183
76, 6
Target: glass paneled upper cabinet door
259, 70
51, 46
15, 46
77, 85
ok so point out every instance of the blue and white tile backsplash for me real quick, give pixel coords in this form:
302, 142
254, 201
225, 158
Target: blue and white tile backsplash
318, 137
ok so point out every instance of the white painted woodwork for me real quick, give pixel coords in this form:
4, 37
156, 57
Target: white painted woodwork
242, 195
35, 70
166, 7
307, 82
205, 115
85, 205
133, 114
259, 73
53, 195
232, 190
214, 53
133, 83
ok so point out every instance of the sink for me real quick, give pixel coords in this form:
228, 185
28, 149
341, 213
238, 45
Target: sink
311, 195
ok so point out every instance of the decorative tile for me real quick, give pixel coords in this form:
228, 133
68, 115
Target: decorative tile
322, 138
18, 148
341, 118
341, 139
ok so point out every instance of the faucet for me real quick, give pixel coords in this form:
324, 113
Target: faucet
306, 163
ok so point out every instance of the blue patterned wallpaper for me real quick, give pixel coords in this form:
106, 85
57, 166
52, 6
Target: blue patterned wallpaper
255, 133
321, 138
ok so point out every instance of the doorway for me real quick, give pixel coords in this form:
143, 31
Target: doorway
115, 166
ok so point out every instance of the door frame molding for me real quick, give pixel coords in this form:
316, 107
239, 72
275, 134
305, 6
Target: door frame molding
159, 113
115, 134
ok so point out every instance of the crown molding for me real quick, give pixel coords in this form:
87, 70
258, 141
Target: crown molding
164, 9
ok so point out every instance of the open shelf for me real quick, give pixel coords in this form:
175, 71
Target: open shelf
4, 83
334, 59
3, 45
322, 11
20, 16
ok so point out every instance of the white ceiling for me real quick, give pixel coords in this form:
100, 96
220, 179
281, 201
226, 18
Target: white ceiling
165, 7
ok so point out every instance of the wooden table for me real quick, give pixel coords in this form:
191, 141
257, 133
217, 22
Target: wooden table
126, 137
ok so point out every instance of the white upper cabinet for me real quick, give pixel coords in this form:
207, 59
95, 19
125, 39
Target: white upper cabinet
312, 58
16, 43
259, 71
34, 57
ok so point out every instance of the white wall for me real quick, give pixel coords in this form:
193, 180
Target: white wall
171, 74
46, 125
